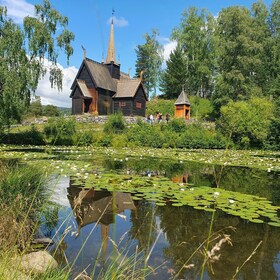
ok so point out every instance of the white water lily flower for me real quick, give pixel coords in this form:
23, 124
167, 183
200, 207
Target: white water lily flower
216, 194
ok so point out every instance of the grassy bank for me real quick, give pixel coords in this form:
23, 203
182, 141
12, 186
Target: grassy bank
117, 133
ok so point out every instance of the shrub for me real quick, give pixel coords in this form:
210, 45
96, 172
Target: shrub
60, 131
244, 120
177, 125
198, 137
144, 134
115, 124
31, 136
119, 141
83, 139
105, 140
160, 105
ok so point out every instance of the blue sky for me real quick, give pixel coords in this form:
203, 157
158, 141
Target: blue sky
89, 20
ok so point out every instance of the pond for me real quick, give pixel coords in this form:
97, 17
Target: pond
163, 210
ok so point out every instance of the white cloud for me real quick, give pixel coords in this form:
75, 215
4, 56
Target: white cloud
51, 96
18, 9
168, 48
120, 22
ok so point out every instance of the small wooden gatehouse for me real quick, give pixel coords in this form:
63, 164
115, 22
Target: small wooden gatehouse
102, 89
182, 106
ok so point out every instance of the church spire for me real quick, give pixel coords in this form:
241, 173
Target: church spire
111, 56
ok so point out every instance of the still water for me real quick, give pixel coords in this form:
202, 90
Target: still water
95, 227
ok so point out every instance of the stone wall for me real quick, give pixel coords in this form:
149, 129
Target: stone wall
85, 118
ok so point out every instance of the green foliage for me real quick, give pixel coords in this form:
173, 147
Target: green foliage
201, 108
198, 137
21, 181
22, 194
177, 125
160, 105
51, 111
196, 39
31, 136
242, 61
60, 131
246, 121
175, 134
83, 138
115, 124
145, 135
105, 140
119, 141
22, 55
174, 77
149, 60
35, 108
273, 139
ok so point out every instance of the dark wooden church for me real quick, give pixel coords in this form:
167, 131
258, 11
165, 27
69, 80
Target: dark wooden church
102, 89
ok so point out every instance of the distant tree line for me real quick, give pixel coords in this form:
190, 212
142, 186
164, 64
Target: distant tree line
235, 56
232, 61
36, 109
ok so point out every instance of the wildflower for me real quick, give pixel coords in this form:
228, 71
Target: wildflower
231, 201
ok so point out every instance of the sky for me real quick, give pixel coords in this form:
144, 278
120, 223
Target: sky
90, 20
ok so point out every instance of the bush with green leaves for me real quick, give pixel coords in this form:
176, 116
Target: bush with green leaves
143, 134
84, 138
60, 131
201, 108
198, 137
160, 105
31, 136
246, 123
273, 137
115, 124
177, 125
176, 134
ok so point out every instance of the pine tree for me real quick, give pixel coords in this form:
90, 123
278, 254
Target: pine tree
174, 77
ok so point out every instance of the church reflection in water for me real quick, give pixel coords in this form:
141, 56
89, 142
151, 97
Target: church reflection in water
97, 206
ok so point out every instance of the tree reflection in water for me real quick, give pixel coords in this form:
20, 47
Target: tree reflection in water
184, 228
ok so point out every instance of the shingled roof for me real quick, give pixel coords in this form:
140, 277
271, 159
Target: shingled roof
182, 99
127, 88
101, 75
84, 89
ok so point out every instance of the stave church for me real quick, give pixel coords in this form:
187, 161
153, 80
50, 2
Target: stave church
103, 89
